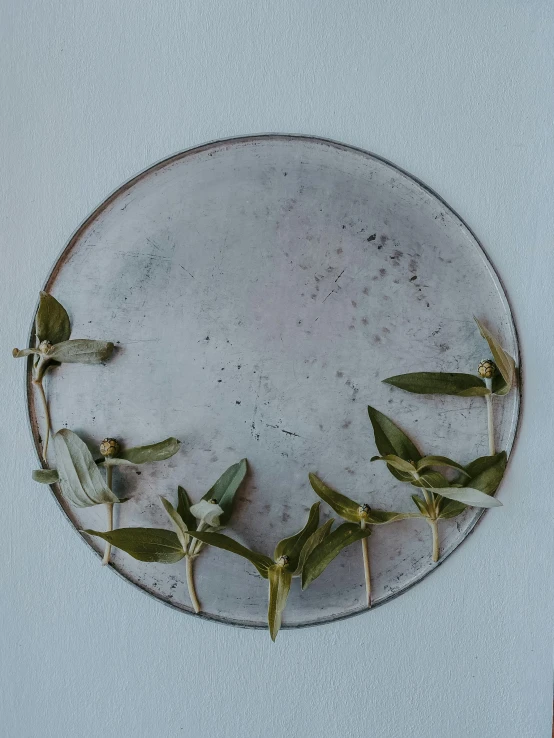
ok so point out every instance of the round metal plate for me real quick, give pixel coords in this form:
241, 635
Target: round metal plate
259, 289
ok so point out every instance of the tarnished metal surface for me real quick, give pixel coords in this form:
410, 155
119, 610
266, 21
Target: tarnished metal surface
259, 289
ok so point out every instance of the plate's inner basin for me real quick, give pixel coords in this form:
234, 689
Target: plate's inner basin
258, 291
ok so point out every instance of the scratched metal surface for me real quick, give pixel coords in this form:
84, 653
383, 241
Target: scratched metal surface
259, 289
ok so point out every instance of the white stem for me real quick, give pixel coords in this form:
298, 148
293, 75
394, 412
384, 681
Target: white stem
191, 587
367, 571
435, 528
38, 384
109, 508
490, 417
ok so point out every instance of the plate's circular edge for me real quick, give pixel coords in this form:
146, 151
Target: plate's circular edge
252, 138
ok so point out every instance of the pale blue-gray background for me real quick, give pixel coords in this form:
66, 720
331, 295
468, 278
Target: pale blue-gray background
458, 94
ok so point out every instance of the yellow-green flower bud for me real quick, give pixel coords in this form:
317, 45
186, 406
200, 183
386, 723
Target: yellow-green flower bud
109, 447
363, 511
487, 369
282, 560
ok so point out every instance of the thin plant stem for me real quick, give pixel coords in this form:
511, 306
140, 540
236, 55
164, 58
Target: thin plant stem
490, 417
190, 585
39, 386
109, 508
435, 528
367, 570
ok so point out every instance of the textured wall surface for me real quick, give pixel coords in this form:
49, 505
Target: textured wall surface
460, 97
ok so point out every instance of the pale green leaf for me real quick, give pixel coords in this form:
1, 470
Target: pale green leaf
486, 472
52, 321
329, 548
81, 351
470, 496
342, 505
396, 462
260, 561
431, 480
224, 490
178, 522
207, 513
441, 383
504, 362
146, 454
428, 461
80, 479
46, 476
279, 586
145, 544
421, 505
293, 546
382, 517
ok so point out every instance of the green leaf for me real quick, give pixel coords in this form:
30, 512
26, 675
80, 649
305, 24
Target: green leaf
81, 351
224, 490
504, 362
260, 561
145, 544
313, 541
80, 479
447, 509
342, 505
486, 472
382, 517
396, 462
52, 321
439, 383
183, 508
145, 454
470, 496
421, 505
293, 546
46, 476
329, 548
428, 461
389, 439
431, 480
180, 526
279, 586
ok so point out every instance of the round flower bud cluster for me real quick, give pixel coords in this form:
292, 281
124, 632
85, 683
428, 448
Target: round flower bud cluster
364, 510
109, 447
44, 346
282, 560
487, 369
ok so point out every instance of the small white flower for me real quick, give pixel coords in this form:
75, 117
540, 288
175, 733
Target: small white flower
207, 512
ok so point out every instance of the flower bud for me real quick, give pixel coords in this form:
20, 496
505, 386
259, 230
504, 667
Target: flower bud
282, 560
109, 447
487, 369
363, 511
44, 347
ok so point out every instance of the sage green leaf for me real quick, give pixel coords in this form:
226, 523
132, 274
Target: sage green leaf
145, 544
470, 496
224, 490
439, 383
382, 517
81, 351
396, 462
45, 476
504, 362
486, 472
329, 548
80, 479
389, 439
260, 561
447, 509
421, 505
279, 587
313, 541
52, 321
293, 546
431, 480
499, 386
145, 454
342, 505
180, 526
183, 508
428, 461
475, 392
